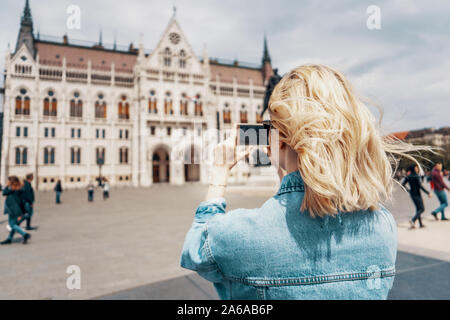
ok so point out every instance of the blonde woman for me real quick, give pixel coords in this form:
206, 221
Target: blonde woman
324, 235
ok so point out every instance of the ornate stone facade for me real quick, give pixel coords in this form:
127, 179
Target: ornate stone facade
67, 106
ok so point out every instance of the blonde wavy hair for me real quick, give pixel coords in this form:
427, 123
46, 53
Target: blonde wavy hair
345, 162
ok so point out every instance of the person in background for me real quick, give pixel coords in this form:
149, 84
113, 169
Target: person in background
90, 189
58, 189
439, 186
105, 189
415, 187
28, 194
15, 209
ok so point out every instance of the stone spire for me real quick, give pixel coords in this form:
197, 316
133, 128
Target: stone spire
100, 38
206, 60
141, 53
26, 30
266, 63
174, 15
27, 19
266, 55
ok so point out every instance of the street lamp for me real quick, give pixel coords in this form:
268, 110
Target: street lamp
100, 163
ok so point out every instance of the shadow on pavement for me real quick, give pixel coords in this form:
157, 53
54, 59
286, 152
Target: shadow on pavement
191, 287
417, 278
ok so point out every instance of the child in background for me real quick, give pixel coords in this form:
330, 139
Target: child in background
15, 209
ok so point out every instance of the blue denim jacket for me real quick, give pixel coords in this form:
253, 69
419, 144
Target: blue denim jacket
278, 252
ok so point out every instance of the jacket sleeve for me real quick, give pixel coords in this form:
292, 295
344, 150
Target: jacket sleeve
404, 182
423, 189
197, 254
437, 180
6, 191
32, 194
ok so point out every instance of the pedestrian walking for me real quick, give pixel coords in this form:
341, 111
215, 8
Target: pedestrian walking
105, 189
439, 189
90, 189
15, 209
58, 189
415, 188
28, 194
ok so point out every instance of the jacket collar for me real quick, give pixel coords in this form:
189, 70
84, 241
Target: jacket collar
291, 182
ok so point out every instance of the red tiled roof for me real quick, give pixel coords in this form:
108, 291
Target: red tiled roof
78, 57
399, 135
243, 75
52, 53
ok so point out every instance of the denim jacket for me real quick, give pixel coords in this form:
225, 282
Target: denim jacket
279, 252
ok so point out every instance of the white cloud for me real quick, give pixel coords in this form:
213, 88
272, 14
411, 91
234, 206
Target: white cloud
404, 66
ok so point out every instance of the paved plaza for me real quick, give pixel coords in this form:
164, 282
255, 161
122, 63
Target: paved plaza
128, 247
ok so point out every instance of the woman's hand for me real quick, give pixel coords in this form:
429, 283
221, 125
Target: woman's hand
226, 156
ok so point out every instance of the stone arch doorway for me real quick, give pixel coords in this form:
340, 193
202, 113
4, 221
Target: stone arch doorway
161, 166
191, 164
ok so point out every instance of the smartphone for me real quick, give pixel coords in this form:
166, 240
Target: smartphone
252, 135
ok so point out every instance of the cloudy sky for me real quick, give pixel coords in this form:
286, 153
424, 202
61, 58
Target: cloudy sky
404, 66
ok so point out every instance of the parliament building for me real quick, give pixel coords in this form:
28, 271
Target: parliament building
74, 111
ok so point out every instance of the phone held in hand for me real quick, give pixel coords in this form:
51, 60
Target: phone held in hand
252, 135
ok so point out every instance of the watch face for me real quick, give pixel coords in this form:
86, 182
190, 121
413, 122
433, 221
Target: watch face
174, 38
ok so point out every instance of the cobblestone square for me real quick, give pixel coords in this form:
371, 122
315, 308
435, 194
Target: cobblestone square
129, 246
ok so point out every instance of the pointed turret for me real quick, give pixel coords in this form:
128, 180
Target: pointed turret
141, 53
27, 19
26, 30
266, 55
267, 70
206, 60
100, 38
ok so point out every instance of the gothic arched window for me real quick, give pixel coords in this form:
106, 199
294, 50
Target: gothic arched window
123, 155
21, 155
243, 113
259, 118
167, 57
50, 104
124, 108
49, 155
152, 102
182, 59
76, 106
75, 155
22, 103
168, 104
184, 105
226, 114
198, 106
100, 107
100, 155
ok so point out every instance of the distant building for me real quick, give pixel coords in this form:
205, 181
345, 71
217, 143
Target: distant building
70, 106
431, 136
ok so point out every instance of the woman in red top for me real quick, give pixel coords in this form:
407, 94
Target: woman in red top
439, 186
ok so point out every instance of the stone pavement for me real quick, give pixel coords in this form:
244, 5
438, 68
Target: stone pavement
128, 247
417, 277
